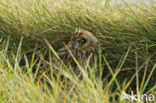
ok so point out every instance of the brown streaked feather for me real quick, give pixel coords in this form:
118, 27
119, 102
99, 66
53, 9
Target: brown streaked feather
82, 54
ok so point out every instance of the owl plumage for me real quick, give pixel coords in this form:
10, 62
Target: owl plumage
84, 46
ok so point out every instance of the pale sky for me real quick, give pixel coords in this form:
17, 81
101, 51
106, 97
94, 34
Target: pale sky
132, 1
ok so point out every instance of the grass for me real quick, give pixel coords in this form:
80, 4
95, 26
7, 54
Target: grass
127, 31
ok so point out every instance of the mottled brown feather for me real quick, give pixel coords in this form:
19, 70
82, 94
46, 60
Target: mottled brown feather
82, 53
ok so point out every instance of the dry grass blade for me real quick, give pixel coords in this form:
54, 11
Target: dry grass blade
1, 40
120, 66
143, 64
51, 48
79, 66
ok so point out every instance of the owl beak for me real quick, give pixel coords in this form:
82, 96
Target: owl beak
75, 45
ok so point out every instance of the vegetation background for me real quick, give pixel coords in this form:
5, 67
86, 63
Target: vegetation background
126, 30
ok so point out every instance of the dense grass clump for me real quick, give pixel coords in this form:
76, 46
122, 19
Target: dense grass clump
127, 31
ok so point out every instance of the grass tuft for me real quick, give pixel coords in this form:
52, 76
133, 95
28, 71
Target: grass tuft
126, 30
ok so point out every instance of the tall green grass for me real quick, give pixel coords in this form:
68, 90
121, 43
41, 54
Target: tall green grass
126, 31
18, 86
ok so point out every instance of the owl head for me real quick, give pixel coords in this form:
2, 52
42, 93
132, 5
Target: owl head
82, 39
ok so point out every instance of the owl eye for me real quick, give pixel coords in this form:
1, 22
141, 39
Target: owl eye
82, 40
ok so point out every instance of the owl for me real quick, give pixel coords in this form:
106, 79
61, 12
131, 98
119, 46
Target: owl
83, 46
